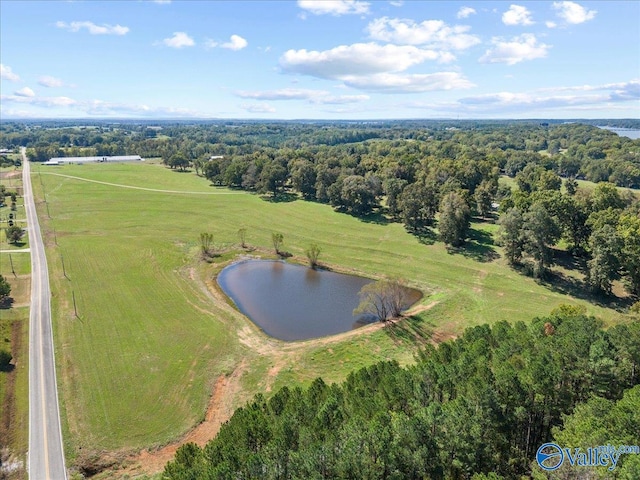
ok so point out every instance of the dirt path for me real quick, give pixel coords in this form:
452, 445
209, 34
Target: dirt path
419, 309
119, 185
218, 411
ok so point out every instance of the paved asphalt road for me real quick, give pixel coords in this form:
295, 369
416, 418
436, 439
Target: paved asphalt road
46, 456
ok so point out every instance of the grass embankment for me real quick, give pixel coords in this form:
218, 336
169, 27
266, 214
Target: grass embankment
150, 341
15, 266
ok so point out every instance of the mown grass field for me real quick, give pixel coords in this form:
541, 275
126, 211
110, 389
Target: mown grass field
138, 363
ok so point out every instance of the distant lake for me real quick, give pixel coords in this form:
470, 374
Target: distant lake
624, 132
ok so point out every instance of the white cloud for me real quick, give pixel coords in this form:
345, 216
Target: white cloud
258, 108
430, 32
521, 48
626, 91
283, 94
414, 83
25, 92
179, 40
356, 59
573, 13
50, 82
99, 108
334, 7
39, 101
236, 42
94, 29
162, 2
465, 12
373, 67
340, 99
312, 96
7, 73
517, 15
102, 108
550, 24
396, 3
610, 96
210, 43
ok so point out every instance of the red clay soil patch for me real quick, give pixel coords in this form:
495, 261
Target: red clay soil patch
8, 175
219, 411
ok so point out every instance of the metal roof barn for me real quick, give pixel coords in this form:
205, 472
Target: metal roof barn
115, 158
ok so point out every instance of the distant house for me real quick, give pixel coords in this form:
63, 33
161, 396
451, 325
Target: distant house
216, 157
115, 158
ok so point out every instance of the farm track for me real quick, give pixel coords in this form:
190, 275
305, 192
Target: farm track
133, 187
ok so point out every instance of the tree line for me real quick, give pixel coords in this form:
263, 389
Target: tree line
569, 149
476, 407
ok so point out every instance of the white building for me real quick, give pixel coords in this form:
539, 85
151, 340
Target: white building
116, 158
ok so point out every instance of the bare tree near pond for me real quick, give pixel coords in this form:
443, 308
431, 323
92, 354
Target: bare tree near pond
313, 253
277, 239
242, 235
384, 299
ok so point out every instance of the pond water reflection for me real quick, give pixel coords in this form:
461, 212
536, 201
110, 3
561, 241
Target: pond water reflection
293, 302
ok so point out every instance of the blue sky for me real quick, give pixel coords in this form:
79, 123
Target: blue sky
342, 59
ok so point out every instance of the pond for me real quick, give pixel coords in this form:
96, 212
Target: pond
293, 302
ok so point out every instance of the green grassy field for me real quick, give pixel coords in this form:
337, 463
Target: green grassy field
138, 363
15, 266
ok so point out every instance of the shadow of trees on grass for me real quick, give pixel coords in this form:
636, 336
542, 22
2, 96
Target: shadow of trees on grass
281, 197
558, 282
478, 247
413, 330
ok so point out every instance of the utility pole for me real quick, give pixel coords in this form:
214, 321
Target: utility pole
64, 271
75, 310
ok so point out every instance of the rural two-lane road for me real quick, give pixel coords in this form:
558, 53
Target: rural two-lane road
46, 455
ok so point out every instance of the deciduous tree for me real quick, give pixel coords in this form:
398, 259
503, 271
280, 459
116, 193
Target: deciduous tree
383, 299
629, 231
357, 195
454, 220
276, 240
206, 242
313, 253
483, 197
14, 234
606, 246
510, 235
303, 178
418, 205
541, 232
5, 288
242, 236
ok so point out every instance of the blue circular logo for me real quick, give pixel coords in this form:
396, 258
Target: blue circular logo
549, 457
